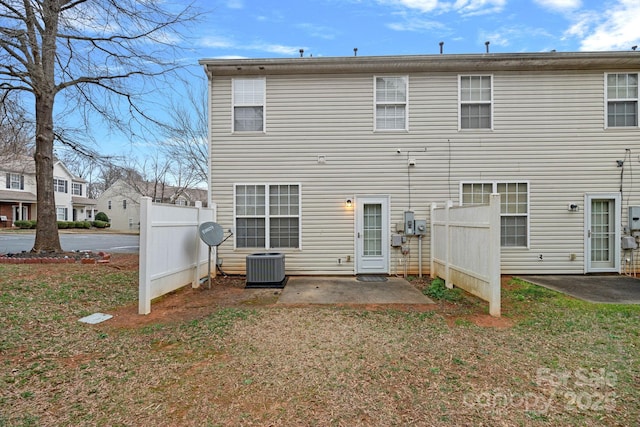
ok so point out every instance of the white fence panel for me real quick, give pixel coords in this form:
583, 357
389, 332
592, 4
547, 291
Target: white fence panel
172, 254
465, 249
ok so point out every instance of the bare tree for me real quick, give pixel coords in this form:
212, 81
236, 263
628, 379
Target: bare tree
99, 56
186, 135
15, 128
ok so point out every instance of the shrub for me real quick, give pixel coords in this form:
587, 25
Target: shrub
63, 224
101, 216
83, 224
100, 224
22, 223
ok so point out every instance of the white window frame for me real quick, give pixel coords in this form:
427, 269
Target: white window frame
254, 103
60, 185
76, 189
15, 181
494, 189
378, 103
267, 214
475, 102
61, 213
607, 100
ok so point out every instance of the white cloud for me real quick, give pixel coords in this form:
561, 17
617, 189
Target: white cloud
420, 5
616, 28
215, 42
463, 7
235, 4
560, 5
478, 7
417, 25
274, 48
318, 31
512, 35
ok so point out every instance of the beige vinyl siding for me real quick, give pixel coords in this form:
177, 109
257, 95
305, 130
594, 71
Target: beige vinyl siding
548, 130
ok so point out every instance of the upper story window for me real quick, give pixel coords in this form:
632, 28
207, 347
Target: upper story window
109, 205
124, 204
391, 97
76, 189
514, 207
267, 216
622, 100
248, 105
60, 185
15, 181
476, 97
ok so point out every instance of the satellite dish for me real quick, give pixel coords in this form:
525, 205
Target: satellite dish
211, 233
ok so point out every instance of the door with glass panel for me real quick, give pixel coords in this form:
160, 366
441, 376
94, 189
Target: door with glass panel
602, 233
372, 235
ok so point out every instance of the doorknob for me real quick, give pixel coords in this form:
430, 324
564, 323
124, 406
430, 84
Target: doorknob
589, 234
358, 234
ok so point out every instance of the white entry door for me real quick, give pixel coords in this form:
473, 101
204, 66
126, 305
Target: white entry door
372, 235
602, 233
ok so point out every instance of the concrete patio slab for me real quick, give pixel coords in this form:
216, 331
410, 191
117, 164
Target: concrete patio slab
610, 289
348, 290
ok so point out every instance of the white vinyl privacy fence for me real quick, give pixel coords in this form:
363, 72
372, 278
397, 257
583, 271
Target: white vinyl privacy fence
172, 254
465, 249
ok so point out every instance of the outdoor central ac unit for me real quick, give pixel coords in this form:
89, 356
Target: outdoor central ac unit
265, 269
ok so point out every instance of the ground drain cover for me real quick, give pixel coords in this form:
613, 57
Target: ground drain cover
371, 278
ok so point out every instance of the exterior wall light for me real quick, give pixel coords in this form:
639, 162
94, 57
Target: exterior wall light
349, 203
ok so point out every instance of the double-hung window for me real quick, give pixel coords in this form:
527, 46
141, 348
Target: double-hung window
622, 100
514, 208
15, 181
476, 97
76, 189
60, 185
391, 103
267, 216
61, 213
248, 105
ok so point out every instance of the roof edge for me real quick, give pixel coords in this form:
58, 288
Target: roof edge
424, 63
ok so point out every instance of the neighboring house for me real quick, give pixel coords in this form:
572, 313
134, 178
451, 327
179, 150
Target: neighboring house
121, 201
319, 158
18, 200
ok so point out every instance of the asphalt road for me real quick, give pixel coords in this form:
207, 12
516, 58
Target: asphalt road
12, 242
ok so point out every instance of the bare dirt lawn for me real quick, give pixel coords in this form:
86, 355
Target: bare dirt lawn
227, 356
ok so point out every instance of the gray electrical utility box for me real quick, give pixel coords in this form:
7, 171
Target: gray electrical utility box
634, 218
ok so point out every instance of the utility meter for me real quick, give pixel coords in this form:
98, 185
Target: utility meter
409, 223
421, 227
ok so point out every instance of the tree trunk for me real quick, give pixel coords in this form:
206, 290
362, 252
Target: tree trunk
47, 238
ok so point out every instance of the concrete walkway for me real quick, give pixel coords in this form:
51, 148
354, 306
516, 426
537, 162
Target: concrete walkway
611, 289
348, 290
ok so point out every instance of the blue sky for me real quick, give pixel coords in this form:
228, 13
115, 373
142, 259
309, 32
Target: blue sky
253, 28
274, 29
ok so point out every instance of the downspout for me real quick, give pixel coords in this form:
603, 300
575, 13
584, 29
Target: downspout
209, 124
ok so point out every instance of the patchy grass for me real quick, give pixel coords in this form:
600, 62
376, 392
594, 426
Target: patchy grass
562, 362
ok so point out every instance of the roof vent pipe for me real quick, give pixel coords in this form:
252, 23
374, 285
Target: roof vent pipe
301, 53
355, 51
487, 45
441, 47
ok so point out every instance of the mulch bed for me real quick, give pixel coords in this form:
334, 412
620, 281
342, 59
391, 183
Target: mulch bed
82, 257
